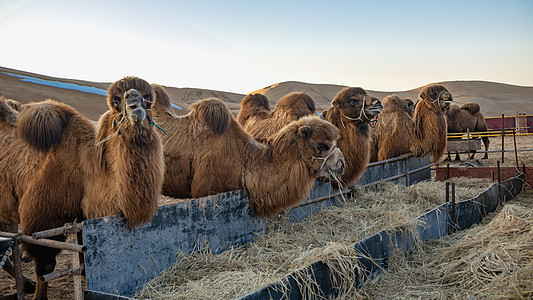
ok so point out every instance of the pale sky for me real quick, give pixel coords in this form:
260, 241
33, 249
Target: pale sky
242, 46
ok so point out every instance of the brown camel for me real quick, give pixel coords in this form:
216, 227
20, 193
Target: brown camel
389, 138
208, 152
289, 108
8, 206
396, 133
72, 170
253, 107
351, 111
464, 118
429, 131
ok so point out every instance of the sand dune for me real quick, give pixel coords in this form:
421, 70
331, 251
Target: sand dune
494, 98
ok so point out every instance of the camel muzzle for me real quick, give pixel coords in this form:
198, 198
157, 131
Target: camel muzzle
335, 163
134, 108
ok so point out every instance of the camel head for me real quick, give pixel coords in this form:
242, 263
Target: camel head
162, 104
355, 104
130, 100
436, 96
7, 113
296, 104
315, 142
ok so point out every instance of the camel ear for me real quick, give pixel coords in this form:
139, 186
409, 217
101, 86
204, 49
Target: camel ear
305, 132
422, 95
336, 104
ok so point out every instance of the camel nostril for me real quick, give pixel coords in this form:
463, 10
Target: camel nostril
133, 106
341, 164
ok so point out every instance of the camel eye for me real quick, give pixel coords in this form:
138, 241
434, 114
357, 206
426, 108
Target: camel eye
323, 147
116, 101
353, 102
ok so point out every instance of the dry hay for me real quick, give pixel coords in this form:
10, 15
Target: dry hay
290, 247
492, 260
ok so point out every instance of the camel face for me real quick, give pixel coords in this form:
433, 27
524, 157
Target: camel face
134, 106
356, 104
130, 100
437, 96
333, 163
317, 140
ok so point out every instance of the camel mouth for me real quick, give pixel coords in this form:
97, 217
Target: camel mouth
334, 164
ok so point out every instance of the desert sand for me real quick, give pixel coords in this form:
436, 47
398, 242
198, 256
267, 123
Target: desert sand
494, 98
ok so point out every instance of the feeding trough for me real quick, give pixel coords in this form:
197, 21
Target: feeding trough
120, 261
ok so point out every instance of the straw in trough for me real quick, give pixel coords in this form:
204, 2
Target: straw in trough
492, 260
289, 247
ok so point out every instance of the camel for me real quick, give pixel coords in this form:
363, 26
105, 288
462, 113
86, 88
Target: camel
429, 131
389, 138
467, 117
8, 208
73, 171
207, 152
289, 108
351, 111
396, 133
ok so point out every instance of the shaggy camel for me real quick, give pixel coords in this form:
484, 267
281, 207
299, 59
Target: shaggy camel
467, 117
8, 118
208, 152
289, 108
351, 111
72, 170
389, 138
429, 131
396, 133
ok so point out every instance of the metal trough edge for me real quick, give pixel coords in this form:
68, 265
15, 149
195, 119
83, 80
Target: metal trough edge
376, 250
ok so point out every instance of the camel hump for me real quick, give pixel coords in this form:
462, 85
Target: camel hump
301, 103
472, 107
41, 125
213, 113
161, 97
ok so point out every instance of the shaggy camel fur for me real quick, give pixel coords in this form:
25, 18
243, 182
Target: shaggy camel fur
253, 107
81, 172
351, 111
467, 117
208, 152
8, 209
289, 108
429, 131
389, 138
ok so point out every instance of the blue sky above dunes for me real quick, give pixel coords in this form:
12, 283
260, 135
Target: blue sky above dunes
242, 46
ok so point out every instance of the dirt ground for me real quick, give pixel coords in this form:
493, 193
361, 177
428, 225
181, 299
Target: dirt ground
63, 288
524, 157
